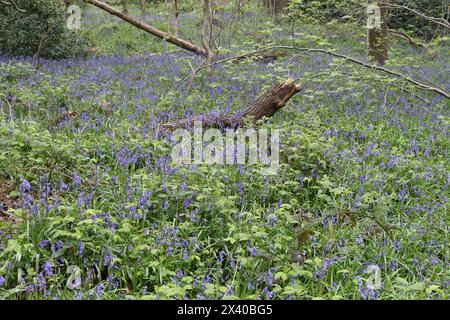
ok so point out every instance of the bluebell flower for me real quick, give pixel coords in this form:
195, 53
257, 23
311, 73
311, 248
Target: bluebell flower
221, 256
186, 202
397, 246
43, 244
47, 269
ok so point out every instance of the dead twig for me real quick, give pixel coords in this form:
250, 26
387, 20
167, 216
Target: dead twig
367, 65
406, 37
9, 2
440, 21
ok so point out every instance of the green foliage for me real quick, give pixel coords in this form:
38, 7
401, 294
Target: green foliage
363, 175
27, 151
355, 10
328, 10
406, 20
13, 72
42, 22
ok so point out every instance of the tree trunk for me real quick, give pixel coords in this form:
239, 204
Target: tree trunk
150, 29
125, 6
143, 5
166, 9
175, 17
275, 6
239, 9
206, 30
255, 22
268, 6
281, 6
264, 107
377, 35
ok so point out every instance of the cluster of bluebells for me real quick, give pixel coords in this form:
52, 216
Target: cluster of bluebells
401, 176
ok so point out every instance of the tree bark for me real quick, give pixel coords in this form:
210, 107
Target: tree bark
150, 29
255, 22
125, 6
143, 5
275, 6
206, 30
175, 17
264, 107
166, 9
272, 101
377, 35
239, 9
268, 6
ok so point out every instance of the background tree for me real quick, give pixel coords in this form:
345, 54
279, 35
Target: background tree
166, 10
35, 21
275, 6
207, 30
255, 21
377, 32
125, 6
175, 17
143, 4
149, 28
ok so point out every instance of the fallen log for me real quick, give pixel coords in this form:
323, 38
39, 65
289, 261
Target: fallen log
148, 28
264, 107
272, 101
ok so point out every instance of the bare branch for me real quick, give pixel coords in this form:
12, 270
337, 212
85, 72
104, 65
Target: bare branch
415, 82
406, 37
148, 28
41, 43
442, 22
9, 2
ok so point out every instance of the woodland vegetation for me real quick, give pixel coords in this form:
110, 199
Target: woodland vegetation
92, 206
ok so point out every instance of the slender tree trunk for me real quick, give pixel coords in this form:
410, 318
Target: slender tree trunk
210, 22
268, 6
377, 35
150, 29
281, 6
274, 7
143, 5
175, 17
125, 6
239, 9
255, 21
166, 10
206, 30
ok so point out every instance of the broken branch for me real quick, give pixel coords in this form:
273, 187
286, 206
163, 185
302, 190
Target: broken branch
406, 37
264, 107
149, 29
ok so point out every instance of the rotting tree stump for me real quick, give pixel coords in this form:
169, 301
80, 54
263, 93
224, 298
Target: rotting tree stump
264, 107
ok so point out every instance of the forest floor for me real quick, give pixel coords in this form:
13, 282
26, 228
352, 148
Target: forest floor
361, 194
